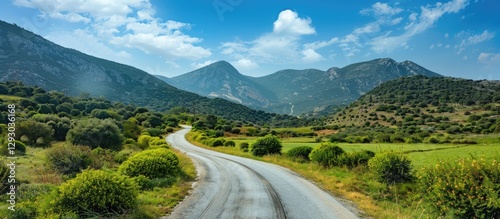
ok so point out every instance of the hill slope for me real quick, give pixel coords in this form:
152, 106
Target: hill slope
415, 104
27, 57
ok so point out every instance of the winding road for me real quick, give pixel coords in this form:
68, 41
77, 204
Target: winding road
236, 187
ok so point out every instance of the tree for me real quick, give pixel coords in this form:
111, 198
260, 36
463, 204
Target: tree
96, 133
266, 145
35, 133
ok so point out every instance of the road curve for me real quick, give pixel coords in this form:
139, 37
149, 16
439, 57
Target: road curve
236, 187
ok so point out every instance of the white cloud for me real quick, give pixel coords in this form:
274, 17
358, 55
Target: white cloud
380, 9
245, 64
289, 22
476, 39
202, 64
489, 58
280, 45
321, 44
396, 21
125, 23
309, 55
446, 35
419, 23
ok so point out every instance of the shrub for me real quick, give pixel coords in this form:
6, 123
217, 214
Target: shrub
244, 146
326, 155
95, 192
156, 132
215, 142
33, 131
229, 144
129, 141
121, 156
20, 148
357, 158
68, 159
143, 141
96, 133
154, 163
266, 145
468, 188
300, 153
391, 167
431, 140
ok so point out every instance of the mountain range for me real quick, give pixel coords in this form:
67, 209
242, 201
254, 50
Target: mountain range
28, 57
295, 92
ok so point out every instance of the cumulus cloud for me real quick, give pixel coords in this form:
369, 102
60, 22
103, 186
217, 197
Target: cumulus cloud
380, 9
280, 45
309, 55
125, 23
245, 64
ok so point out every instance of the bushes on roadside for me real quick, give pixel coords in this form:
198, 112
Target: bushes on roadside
68, 159
244, 146
90, 193
357, 158
326, 155
468, 188
300, 153
96, 133
391, 167
266, 145
154, 163
229, 143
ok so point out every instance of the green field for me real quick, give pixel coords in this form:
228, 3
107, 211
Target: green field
420, 154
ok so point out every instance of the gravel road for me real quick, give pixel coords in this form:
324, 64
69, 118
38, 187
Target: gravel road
236, 187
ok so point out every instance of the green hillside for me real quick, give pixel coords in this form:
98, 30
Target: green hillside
416, 108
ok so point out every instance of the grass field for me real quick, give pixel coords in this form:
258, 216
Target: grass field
420, 154
374, 199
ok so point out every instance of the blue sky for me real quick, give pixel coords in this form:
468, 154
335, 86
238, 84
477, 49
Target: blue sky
457, 38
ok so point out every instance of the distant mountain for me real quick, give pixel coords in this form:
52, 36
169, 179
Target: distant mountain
295, 91
221, 79
27, 57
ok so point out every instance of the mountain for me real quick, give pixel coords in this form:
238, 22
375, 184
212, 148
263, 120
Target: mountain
27, 57
314, 90
221, 79
295, 92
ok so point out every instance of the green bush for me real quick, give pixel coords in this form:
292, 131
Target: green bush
154, 163
68, 159
326, 155
244, 146
300, 153
229, 143
357, 158
96, 133
20, 149
266, 145
467, 188
93, 192
391, 167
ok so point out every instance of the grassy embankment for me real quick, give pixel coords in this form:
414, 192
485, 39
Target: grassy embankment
357, 185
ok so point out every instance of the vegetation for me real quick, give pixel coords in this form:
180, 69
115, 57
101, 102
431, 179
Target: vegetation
64, 145
391, 167
96, 192
154, 163
299, 153
467, 188
326, 155
266, 145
